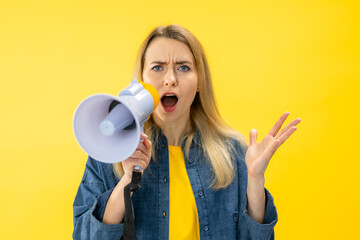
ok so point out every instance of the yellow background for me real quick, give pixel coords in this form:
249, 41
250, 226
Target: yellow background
266, 57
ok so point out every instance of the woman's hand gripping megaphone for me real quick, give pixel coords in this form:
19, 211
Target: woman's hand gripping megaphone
140, 158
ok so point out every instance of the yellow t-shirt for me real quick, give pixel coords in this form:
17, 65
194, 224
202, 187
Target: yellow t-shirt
184, 222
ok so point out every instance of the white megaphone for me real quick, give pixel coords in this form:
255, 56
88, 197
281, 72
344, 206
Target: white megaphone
108, 127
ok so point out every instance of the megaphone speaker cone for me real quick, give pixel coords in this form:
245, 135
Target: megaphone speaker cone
116, 144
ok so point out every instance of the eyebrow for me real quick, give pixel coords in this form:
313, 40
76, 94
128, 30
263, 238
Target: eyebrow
178, 62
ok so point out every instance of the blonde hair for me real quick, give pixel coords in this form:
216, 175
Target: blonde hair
214, 133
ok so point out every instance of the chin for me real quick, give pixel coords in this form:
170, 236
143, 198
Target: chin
167, 117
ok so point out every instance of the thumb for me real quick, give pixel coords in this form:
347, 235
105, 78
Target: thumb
253, 136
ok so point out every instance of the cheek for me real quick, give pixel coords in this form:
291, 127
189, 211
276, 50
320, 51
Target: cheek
147, 78
194, 85
191, 92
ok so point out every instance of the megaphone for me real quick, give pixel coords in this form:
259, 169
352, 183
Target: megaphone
108, 127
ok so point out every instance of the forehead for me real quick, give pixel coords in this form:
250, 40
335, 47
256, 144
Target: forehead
165, 49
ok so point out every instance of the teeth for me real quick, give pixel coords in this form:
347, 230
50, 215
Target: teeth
169, 95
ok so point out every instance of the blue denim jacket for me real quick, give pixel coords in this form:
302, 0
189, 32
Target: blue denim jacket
222, 213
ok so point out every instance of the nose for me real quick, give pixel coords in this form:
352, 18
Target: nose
170, 78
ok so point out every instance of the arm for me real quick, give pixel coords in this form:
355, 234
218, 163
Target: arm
98, 212
249, 227
257, 159
259, 214
256, 198
89, 205
115, 207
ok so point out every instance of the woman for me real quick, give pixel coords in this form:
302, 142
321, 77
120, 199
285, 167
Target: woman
200, 179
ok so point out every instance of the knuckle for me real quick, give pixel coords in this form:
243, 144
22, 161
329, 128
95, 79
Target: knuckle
137, 153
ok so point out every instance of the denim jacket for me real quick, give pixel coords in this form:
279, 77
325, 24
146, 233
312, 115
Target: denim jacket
222, 213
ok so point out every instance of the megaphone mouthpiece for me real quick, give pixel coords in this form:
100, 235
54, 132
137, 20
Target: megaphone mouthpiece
119, 118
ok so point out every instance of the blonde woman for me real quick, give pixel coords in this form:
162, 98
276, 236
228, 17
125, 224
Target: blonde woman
200, 179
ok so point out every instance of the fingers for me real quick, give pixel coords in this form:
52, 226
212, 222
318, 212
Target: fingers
137, 162
287, 134
253, 136
141, 147
274, 130
148, 145
144, 144
273, 148
287, 127
143, 136
284, 134
137, 159
143, 152
141, 157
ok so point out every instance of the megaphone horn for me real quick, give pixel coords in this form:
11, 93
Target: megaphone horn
108, 127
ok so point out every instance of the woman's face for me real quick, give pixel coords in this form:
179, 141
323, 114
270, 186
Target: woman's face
170, 67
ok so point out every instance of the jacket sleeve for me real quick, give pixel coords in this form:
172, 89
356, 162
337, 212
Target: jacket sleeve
89, 206
248, 227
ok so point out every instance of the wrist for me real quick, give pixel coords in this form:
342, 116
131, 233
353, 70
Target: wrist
125, 180
119, 188
256, 180
255, 186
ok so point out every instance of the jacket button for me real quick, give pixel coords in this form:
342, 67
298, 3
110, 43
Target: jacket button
206, 228
201, 193
163, 145
191, 160
164, 214
165, 180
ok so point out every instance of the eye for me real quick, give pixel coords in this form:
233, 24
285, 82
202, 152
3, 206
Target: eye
157, 68
184, 68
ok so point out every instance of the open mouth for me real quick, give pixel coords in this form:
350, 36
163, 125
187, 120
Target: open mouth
169, 102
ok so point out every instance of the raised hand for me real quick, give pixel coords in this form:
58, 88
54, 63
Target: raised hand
258, 155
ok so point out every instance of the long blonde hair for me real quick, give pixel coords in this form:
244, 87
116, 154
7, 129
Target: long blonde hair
204, 115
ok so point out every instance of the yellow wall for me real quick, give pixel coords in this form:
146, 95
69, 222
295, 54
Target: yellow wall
266, 58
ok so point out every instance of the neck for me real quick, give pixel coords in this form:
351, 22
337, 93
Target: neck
174, 131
